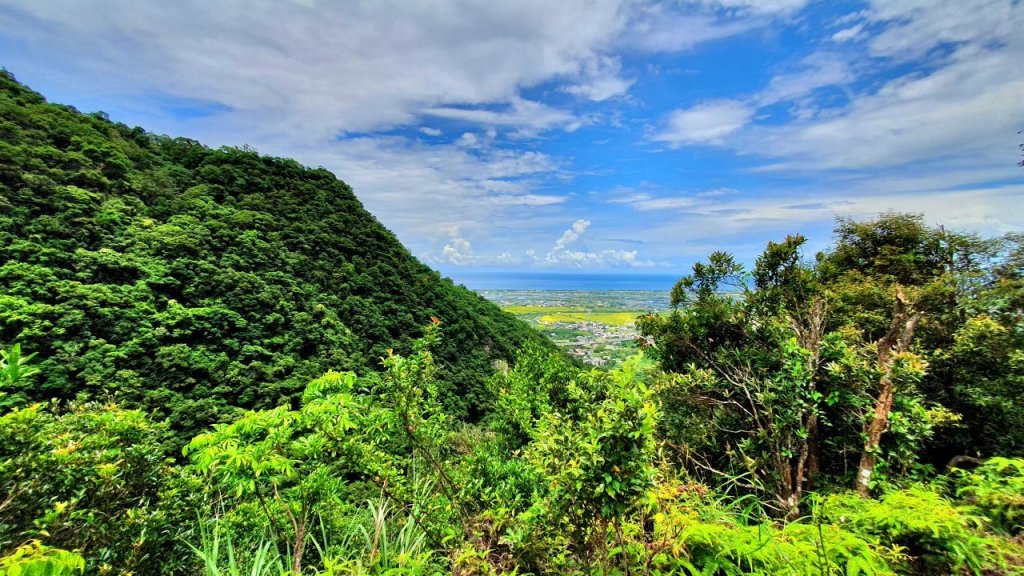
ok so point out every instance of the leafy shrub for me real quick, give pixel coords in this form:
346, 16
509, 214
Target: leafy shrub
91, 479
34, 559
996, 490
695, 535
918, 521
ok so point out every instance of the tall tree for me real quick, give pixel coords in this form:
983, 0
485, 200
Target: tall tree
894, 258
747, 349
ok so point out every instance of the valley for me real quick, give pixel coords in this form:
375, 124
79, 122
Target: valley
596, 326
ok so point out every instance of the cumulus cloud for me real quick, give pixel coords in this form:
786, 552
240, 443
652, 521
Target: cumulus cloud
571, 235
706, 123
458, 251
564, 254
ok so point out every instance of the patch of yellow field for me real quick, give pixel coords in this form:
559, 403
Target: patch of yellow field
609, 318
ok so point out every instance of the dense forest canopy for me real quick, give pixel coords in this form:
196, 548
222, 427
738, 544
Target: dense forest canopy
214, 362
191, 281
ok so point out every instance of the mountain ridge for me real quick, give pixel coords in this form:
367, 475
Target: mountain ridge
194, 281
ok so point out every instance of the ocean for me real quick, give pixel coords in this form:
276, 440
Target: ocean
564, 281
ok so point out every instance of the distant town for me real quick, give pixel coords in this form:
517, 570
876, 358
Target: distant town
597, 327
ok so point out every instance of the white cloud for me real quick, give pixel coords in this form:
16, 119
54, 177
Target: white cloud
563, 254
602, 79
961, 108
311, 71
646, 202
819, 70
746, 221
602, 259
674, 27
527, 116
528, 199
458, 251
915, 27
571, 235
657, 28
967, 111
761, 6
712, 123
705, 123
422, 190
848, 34
431, 131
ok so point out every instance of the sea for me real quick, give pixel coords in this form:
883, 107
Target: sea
563, 282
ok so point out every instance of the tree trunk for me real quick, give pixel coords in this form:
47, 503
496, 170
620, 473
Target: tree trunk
813, 464
896, 341
300, 547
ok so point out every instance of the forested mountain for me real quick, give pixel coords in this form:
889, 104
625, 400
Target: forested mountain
187, 280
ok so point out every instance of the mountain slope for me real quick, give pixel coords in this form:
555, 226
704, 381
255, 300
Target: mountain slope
191, 281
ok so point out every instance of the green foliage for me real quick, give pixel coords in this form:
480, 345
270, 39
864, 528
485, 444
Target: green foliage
984, 364
91, 478
294, 463
894, 351
745, 394
381, 541
290, 461
598, 463
995, 490
35, 559
14, 372
694, 535
192, 282
921, 524
219, 557
538, 384
357, 414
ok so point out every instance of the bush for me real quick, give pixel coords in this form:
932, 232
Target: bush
930, 530
92, 479
996, 490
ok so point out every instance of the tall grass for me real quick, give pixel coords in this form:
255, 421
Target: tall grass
380, 538
218, 555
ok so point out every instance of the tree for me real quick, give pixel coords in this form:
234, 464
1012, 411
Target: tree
597, 455
894, 258
290, 461
747, 364
294, 463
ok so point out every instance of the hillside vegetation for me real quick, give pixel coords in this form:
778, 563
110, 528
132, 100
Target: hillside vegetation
190, 281
217, 363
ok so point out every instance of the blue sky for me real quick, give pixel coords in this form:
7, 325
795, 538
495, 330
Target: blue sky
624, 136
